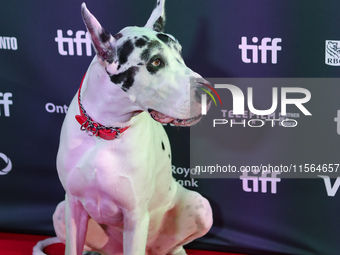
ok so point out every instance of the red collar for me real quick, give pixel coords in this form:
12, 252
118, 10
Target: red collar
94, 128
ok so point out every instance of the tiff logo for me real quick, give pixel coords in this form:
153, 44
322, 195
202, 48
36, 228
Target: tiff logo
8, 43
265, 178
66, 44
267, 45
4, 100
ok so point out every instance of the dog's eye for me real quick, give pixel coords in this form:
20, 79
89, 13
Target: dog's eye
156, 62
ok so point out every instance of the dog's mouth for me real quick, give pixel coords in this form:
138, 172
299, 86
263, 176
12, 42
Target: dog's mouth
164, 119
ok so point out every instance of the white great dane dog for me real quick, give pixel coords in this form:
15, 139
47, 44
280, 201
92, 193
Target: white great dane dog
121, 197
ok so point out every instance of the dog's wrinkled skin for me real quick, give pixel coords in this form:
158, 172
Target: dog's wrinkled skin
121, 197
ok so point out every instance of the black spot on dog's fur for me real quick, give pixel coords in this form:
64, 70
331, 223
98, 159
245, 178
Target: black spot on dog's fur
145, 37
127, 77
154, 44
105, 36
118, 36
179, 50
140, 42
145, 55
106, 55
164, 38
124, 51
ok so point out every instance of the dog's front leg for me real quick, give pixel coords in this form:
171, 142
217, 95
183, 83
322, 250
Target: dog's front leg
76, 220
136, 224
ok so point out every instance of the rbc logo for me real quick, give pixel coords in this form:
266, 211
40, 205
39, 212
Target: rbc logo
267, 45
66, 45
332, 54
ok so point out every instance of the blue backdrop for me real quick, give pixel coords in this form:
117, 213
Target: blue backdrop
44, 54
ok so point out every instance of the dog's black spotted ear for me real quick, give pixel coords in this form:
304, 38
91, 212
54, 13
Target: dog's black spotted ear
157, 18
102, 40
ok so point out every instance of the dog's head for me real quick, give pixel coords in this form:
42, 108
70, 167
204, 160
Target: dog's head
147, 64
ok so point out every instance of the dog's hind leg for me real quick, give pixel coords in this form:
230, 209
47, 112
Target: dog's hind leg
195, 218
76, 219
189, 219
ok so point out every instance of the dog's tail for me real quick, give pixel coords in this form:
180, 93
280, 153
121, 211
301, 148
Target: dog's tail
38, 249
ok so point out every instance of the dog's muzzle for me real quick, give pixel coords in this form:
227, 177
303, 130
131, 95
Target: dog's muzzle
164, 119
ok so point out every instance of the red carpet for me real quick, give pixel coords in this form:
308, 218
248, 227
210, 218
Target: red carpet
19, 244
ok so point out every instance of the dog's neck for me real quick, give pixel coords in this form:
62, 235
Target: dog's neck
105, 102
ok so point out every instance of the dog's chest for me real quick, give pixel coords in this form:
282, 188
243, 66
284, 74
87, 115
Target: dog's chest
123, 173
